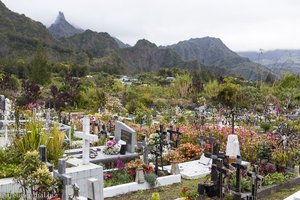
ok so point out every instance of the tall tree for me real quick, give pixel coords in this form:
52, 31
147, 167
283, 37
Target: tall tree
40, 70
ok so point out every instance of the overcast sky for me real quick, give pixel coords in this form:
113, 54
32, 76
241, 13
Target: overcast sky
240, 24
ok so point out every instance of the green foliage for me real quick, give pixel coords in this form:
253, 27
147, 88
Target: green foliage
264, 150
33, 137
228, 94
188, 194
181, 86
11, 196
245, 183
40, 70
54, 145
34, 176
117, 177
265, 126
151, 178
275, 178
155, 196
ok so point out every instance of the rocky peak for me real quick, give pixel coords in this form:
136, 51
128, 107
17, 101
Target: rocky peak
143, 43
62, 28
60, 18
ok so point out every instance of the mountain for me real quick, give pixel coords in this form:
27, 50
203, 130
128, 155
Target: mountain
279, 61
62, 28
121, 44
146, 56
19, 36
211, 51
93, 43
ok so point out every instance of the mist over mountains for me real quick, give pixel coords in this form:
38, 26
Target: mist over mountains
65, 43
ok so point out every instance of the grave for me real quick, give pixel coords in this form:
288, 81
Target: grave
295, 196
127, 134
193, 169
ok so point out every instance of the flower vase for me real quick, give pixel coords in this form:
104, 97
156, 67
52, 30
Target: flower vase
175, 168
139, 176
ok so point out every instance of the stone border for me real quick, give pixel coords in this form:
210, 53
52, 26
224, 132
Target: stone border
133, 186
268, 190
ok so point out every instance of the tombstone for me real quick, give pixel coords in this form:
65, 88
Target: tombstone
87, 138
144, 147
94, 192
43, 157
66, 179
232, 147
127, 134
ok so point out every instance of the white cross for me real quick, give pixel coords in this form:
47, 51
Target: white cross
87, 138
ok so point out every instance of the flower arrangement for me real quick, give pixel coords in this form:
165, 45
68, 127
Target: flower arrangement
138, 164
189, 151
111, 148
173, 156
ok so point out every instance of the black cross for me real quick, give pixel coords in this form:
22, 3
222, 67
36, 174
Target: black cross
238, 165
177, 134
255, 177
221, 170
161, 133
214, 155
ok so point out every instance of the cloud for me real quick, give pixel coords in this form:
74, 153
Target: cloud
242, 25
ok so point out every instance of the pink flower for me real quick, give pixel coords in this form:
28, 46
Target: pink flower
110, 143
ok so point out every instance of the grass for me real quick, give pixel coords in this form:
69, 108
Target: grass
166, 193
172, 192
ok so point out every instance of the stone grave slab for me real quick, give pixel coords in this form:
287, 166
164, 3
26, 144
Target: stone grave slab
194, 169
127, 134
197, 168
101, 157
295, 196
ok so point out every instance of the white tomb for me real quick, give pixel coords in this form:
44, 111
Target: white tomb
295, 196
194, 169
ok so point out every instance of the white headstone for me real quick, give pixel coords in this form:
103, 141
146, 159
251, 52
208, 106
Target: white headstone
87, 138
233, 146
127, 134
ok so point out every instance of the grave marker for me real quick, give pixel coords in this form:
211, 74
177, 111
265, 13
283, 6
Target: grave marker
87, 138
239, 166
43, 157
127, 134
66, 179
144, 147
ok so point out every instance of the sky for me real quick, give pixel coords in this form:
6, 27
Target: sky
241, 24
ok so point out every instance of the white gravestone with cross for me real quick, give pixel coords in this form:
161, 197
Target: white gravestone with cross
87, 138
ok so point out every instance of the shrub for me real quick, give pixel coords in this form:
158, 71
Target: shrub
155, 196
151, 178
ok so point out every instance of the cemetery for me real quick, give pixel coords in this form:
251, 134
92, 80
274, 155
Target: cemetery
93, 156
